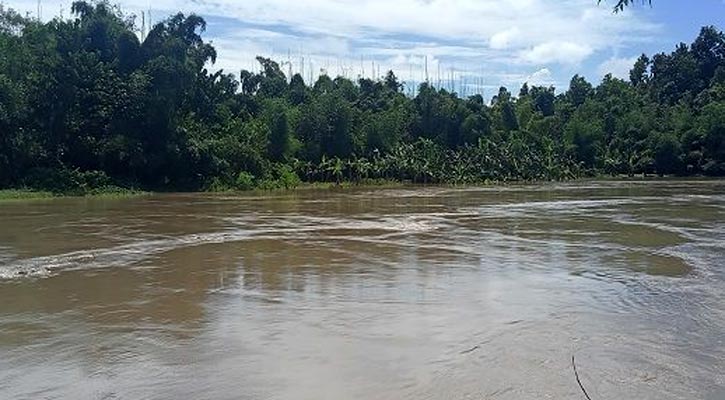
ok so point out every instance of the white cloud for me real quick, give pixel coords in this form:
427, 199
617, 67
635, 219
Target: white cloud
482, 21
542, 77
557, 52
618, 67
491, 37
504, 39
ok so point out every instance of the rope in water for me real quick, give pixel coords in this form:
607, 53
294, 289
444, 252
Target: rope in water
576, 374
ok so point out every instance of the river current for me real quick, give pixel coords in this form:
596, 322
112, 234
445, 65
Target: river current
385, 293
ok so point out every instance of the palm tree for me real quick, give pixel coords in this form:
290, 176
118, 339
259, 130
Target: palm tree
361, 167
336, 167
325, 167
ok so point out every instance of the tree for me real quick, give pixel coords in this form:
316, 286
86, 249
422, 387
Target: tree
391, 82
83, 103
505, 111
476, 127
543, 98
622, 4
638, 74
666, 153
709, 52
298, 92
326, 127
272, 82
712, 127
584, 135
579, 91
279, 143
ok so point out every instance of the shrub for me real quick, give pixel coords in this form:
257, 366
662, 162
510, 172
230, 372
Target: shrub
67, 181
244, 181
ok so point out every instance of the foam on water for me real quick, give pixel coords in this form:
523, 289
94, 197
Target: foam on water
117, 256
276, 227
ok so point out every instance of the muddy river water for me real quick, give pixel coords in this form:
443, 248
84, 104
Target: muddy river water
380, 294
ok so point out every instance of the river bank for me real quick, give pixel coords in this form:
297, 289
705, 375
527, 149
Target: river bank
18, 194
31, 194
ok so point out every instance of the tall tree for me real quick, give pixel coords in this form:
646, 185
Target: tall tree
622, 4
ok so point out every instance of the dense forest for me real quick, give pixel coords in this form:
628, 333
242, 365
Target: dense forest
84, 103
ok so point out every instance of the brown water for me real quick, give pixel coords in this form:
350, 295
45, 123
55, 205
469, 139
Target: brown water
407, 293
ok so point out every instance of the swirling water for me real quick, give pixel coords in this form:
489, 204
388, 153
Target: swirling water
404, 293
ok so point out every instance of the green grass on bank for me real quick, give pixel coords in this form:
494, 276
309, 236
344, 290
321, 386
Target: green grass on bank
298, 185
104, 193
23, 194
116, 192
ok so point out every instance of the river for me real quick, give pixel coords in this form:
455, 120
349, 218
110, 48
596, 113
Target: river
381, 294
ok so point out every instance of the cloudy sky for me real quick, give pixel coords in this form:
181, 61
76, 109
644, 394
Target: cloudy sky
476, 45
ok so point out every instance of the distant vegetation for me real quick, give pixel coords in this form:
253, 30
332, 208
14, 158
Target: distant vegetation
84, 104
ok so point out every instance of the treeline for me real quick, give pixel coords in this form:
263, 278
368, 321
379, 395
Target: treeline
84, 103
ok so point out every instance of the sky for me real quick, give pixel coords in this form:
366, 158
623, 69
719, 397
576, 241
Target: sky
470, 46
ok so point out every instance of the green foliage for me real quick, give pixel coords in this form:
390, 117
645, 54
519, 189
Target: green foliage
244, 181
287, 178
326, 126
579, 91
712, 125
620, 5
279, 142
584, 135
71, 182
85, 106
281, 176
666, 151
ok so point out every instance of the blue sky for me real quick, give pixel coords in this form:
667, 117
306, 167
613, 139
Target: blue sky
482, 44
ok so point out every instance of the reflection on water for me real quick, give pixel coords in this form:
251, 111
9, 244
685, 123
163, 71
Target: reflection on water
410, 293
